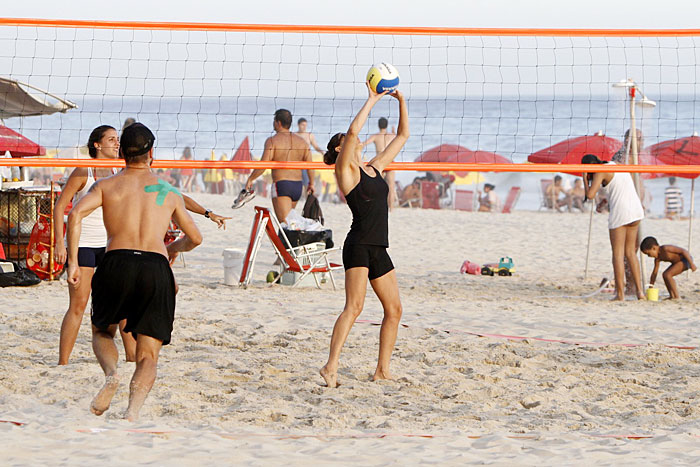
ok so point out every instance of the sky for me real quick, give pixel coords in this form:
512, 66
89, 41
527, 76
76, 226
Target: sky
455, 13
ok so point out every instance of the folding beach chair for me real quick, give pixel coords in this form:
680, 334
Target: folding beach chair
430, 195
297, 259
464, 200
544, 184
511, 200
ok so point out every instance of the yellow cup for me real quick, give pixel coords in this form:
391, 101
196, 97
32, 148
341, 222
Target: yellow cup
653, 294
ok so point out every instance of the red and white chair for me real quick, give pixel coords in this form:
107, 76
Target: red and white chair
296, 259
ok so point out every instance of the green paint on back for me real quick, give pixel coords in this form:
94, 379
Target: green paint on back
162, 188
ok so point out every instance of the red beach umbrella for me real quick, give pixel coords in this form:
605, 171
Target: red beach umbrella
442, 153
572, 150
456, 153
18, 145
243, 154
681, 151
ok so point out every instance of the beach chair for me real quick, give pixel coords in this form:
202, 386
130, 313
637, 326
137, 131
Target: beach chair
511, 200
430, 195
297, 259
544, 184
464, 200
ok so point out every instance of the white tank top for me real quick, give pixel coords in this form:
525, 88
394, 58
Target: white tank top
93, 233
625, 206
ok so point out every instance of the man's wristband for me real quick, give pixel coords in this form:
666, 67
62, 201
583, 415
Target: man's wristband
206, 213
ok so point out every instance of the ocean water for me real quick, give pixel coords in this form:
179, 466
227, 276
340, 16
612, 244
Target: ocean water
513, 126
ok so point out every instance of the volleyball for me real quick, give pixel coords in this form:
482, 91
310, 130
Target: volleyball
383, 77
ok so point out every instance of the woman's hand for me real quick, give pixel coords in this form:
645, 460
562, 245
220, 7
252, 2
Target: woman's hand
398, 95
59, 253
373, 95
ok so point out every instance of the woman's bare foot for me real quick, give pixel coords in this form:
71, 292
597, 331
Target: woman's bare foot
100, 403
380, 374
618, 298
331, 377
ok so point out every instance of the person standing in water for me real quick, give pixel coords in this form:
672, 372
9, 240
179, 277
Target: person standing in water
626, 213
134, 280
365, 254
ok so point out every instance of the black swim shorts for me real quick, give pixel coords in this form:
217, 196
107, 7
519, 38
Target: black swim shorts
137, 286
373, 257
90, 257
686, 263
289, 188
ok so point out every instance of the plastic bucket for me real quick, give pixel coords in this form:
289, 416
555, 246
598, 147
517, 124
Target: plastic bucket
233, 262
653, 294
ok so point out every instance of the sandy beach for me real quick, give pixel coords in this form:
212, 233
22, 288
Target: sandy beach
240, 383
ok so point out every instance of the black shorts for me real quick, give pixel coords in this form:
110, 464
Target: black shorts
686, 264
90, 257
137, 286
373, 257
289, 188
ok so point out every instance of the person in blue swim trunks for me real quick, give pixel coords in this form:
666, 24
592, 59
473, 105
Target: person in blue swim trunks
284, 146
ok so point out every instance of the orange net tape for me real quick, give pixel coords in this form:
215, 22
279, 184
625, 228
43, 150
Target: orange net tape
389, 30
410, 166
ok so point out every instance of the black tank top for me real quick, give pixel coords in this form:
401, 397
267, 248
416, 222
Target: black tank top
370, 211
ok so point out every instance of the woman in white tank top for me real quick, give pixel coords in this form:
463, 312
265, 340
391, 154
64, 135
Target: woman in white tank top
626, 212
102, 144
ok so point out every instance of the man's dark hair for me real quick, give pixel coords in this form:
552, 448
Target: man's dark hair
284, 118
301, 120
557, 178
127, 122
95, 137
383, 123
489, 186
671, 180
135, 143
648, 243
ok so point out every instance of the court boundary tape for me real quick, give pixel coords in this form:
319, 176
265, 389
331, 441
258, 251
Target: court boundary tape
333, 437
541, 339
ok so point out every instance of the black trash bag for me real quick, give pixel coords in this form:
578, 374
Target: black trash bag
312, 209
22, 277
304, 237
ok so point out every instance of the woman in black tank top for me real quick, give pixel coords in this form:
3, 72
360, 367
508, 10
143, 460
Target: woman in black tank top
364, 254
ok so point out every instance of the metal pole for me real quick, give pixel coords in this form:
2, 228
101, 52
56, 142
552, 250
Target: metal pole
588, 247
635, 160
52, 234
692, 210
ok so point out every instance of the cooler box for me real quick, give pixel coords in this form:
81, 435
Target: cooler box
290, 277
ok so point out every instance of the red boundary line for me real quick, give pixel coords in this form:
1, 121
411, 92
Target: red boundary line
538, 339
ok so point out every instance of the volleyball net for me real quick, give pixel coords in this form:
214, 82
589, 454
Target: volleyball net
490, 98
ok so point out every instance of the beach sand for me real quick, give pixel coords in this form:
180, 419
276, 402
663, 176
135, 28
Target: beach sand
240, 383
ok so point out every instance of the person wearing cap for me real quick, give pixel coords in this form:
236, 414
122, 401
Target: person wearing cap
488, 202
134, 280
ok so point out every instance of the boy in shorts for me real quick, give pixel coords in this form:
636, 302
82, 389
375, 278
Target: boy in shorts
679, 258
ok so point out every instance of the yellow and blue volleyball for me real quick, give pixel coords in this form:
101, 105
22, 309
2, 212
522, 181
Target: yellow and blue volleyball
383, 77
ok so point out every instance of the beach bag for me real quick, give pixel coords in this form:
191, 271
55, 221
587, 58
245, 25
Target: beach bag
21, 277
312, 209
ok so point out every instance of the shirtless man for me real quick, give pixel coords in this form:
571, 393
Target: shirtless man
287, 184
307, 135
134, 280
381, 140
